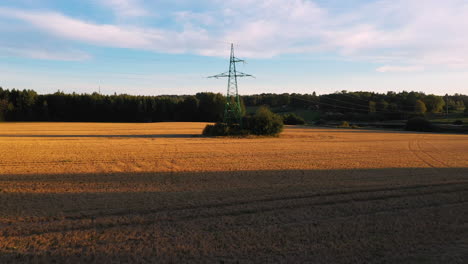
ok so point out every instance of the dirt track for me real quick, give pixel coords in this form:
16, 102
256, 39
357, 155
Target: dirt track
149, 192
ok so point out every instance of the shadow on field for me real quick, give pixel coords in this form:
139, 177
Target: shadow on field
139, 189
389, 215
105, 136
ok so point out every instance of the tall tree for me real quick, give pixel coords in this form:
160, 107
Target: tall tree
420, 107
434, 103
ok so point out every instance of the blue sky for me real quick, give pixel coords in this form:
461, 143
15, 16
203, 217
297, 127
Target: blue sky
157, 47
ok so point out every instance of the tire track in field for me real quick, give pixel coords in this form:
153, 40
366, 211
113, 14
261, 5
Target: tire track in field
250, 203
427, 153
372, 212
415, 148
189, 213
448, 153
243, 212
278, 199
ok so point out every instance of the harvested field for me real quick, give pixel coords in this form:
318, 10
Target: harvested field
106, 193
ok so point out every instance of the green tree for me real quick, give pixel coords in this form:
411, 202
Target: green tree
3, 109
434, 103
293, 119
372, 107
211, 106
265, 122
382, 105
420, 107
419, 124
188, 109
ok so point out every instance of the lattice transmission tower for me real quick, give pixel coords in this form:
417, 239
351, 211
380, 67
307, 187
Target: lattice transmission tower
232, 110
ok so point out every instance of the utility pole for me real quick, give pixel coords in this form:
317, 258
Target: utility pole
232, 110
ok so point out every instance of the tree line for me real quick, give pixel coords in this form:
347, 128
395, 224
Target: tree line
28, 105
370, 106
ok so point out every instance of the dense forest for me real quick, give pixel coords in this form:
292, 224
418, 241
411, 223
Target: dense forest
363, 106
27, 105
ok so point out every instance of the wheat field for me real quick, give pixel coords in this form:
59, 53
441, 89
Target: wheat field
159, 192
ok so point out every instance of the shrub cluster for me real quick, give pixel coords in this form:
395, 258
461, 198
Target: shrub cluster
458, 122
293, 119
419, 124
344, 124
320, 122
223, 129
263, 122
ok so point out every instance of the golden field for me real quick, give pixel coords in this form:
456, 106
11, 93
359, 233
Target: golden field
106, 192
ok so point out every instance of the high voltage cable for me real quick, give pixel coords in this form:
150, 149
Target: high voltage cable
354, 97
336, 106
328, 98
350, 108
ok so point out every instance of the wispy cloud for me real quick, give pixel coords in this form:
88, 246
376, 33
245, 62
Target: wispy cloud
388, 68
125, 8
74, 29
394, 32
45, 54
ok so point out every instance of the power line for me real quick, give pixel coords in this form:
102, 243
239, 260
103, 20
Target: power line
328, 98
350, 108
354, 97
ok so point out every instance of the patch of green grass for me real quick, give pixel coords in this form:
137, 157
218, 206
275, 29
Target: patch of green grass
449, 120
309, 116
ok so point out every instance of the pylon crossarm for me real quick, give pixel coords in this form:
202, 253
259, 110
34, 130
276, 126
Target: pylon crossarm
221, 75
238, 60
241, 74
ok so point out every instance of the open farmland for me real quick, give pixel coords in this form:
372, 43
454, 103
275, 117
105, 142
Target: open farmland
82, 192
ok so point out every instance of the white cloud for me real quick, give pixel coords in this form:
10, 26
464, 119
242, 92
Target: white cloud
74, 29
45, 54
388, 68
125, 8
429, 33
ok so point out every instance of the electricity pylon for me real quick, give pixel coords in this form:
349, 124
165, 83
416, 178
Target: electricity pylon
232, 110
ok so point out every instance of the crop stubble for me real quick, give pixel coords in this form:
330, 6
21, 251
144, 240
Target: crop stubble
147, 192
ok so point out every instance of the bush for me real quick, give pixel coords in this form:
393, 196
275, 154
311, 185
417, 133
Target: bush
236, 130
293, 119
223, 129
419, 124
416, 115
218, 129
344, 124
264, 122
458, 122
320, 122
334, 116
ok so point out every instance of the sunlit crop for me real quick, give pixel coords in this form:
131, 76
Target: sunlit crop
83, 192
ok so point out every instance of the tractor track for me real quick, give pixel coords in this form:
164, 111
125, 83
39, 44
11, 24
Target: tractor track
279, 199
414, 147
171, 220
250, 207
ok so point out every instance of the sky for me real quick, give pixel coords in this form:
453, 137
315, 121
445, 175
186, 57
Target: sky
154, 47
